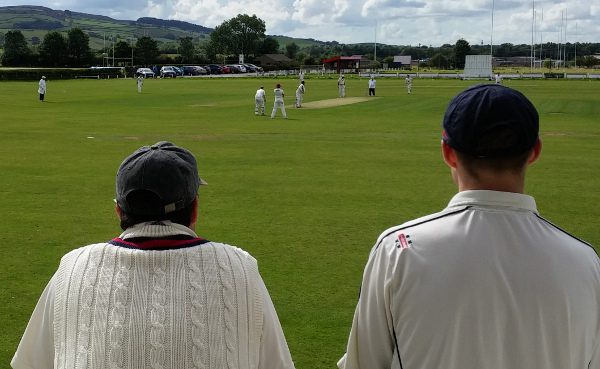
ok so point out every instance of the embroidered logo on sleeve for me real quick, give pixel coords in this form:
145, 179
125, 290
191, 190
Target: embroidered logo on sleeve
403, 241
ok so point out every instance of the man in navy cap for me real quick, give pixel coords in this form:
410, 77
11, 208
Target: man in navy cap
158, 295
487, 282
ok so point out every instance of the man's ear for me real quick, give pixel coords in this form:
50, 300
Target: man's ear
118, 210
449, 155
535, 153
194, 217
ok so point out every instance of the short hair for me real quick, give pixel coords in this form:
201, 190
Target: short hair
474, 165
182, 216
278, 85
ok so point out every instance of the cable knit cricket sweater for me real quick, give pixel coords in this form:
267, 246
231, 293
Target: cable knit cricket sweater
198, 304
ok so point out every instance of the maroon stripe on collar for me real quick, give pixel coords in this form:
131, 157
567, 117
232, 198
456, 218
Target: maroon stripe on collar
158, 243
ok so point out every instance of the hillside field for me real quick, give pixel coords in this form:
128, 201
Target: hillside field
306, 196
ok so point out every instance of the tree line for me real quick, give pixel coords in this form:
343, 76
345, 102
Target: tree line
245, 35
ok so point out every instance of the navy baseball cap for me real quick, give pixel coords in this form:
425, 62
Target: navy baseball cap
491, 121
157, 179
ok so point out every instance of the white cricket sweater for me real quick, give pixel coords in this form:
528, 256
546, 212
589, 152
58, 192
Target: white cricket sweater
201, 305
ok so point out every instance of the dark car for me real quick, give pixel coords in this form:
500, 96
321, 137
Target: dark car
168, 71
144, 72
253, 68
178, 71
214, 69
190, 70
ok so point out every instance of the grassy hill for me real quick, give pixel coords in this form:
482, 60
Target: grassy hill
35, 21
301, 42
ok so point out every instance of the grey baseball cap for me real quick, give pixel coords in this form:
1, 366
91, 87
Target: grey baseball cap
491, 121
157, 179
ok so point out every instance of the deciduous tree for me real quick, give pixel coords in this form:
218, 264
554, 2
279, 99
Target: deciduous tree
146, 50
16, 52
240, 35
461, 50
291, 50
53, 50
78, 47
186, 49
123, 49
269, 46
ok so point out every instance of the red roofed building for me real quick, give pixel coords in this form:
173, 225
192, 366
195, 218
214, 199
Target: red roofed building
340, 63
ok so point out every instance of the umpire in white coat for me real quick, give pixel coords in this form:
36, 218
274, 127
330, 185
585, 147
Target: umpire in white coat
42, 88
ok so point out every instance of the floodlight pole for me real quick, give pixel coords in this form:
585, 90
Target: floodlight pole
565, 48
132, 44
532, 29
375, 46
575, 45
113, 47
492, 34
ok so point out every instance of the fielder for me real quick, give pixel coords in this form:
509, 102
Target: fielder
140, 83
487, 282
259, 101
278, 103
408, 82
300, 94
42, 88
341, 86
498, 79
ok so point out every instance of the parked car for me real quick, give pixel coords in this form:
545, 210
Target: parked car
253, 68
225, 69
214, 69
241, 68
168, 71
179, 71
201, 70
190, 70
237, 68
145, 72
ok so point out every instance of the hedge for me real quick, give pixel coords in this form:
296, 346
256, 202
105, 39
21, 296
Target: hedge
34, 74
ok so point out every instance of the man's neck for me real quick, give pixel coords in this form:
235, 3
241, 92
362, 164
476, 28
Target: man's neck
506, 183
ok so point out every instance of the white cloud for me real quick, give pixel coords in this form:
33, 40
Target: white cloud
429, 22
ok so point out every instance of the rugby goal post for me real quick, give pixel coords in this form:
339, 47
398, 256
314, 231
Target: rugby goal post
478, 66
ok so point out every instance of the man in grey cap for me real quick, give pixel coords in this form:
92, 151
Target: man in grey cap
487, 282
158, 295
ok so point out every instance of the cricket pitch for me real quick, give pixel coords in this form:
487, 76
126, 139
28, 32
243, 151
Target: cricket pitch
320, 104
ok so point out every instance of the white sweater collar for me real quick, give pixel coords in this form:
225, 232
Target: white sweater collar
512, 200
157, 229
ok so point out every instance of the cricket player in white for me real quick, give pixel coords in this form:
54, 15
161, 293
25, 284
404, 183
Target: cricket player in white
140, 83
487, 282
300, 94
259, 101
408, 82
278, 103
341, 86
42, 88
498, 79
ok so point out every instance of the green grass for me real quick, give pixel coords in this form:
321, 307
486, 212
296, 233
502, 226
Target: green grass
306, 196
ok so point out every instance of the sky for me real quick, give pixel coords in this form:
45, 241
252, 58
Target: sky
394, 22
